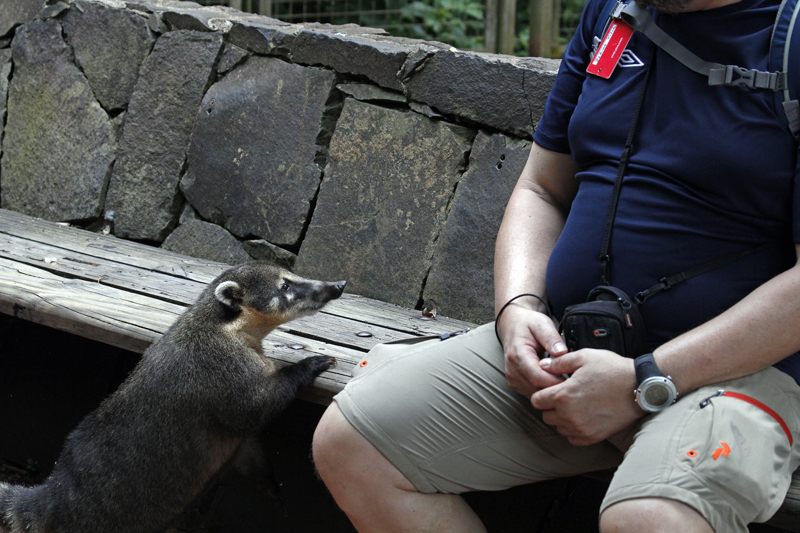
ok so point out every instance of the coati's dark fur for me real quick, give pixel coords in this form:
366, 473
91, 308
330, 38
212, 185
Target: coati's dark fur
195, 398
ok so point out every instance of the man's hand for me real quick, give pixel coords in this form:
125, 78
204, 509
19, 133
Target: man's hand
595, 402
526, 335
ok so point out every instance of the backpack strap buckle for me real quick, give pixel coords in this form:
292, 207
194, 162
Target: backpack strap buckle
754, 79
616, 12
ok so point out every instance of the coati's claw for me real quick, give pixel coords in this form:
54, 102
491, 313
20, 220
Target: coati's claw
319, 363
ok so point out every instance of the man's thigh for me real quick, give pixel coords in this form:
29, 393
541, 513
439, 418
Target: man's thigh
730, 457
442, 412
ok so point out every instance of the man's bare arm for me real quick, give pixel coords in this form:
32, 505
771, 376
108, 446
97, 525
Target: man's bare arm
533, 221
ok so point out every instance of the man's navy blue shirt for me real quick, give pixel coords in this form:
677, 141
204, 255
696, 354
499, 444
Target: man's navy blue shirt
713, 171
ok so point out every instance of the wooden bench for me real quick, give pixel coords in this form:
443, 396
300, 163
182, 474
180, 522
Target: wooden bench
127, 294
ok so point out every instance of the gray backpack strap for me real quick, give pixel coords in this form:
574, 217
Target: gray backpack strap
639, 18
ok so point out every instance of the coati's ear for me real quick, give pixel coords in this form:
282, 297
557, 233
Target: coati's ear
230, 293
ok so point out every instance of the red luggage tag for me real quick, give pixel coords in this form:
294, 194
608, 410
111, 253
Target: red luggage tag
610, 50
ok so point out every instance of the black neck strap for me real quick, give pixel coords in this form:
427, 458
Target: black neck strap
605, 259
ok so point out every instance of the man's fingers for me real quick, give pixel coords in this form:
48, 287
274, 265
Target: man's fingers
548, 337
563, 364
524, 373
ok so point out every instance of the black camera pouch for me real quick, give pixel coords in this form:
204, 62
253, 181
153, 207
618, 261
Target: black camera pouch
608, 320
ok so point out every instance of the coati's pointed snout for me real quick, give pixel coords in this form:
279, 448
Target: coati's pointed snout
339, 285
329, 290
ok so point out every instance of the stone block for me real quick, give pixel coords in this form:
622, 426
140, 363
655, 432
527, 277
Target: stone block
232, 56
262, 250
53, 10
16, 12
144, 185
252, 157
155, 5
370, 93
378, 59
503, 92
110, 46
461, 280
263, 37
206, 241
389, 180
59, 143
207, 18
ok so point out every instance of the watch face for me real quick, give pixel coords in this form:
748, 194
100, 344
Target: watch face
657, 395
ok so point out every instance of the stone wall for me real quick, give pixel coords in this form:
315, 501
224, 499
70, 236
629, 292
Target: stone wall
339, 150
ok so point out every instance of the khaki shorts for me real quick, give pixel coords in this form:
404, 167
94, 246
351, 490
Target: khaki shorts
442, 412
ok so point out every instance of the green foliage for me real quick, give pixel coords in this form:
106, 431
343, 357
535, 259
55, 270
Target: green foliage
570, 16
460, 23
456, 22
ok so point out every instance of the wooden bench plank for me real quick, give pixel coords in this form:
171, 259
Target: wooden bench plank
108, 247
89, 267
133, 322
88, 309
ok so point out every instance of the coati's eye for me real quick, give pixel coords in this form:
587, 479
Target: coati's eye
285, 286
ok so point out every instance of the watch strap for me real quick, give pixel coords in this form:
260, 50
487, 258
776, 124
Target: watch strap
646, 367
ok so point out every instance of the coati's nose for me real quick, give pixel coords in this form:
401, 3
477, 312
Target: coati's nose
340, 285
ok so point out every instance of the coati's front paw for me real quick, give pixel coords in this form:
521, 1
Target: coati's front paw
318, 364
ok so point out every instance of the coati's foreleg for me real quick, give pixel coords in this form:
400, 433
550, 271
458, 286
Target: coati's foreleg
284, 383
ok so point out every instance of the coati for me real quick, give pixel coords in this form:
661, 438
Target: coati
198, 396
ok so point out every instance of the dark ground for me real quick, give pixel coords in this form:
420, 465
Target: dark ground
49, 380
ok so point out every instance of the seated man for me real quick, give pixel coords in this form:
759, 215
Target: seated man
712, 173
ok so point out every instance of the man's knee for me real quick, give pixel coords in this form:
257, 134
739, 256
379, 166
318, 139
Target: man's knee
332, 444
652, 514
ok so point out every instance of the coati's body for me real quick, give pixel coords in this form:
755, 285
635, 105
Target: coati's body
198, 393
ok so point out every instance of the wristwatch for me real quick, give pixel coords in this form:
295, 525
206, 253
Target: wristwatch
654, 391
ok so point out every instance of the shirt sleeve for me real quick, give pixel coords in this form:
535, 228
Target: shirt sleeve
551, 131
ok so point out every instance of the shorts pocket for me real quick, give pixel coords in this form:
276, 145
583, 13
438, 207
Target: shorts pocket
734, 447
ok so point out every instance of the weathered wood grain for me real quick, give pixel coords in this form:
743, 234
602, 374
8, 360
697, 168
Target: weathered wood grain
89, 267
108, 247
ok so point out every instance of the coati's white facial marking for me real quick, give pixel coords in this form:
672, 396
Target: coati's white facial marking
286, 288
275, 302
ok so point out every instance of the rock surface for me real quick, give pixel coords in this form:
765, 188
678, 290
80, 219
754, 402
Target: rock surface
252, 162
504, 92
16, 12
110, 46
388, 182
378, 60
461, 280
59, 143
5, 72
144, 185
264, 251
206, 241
